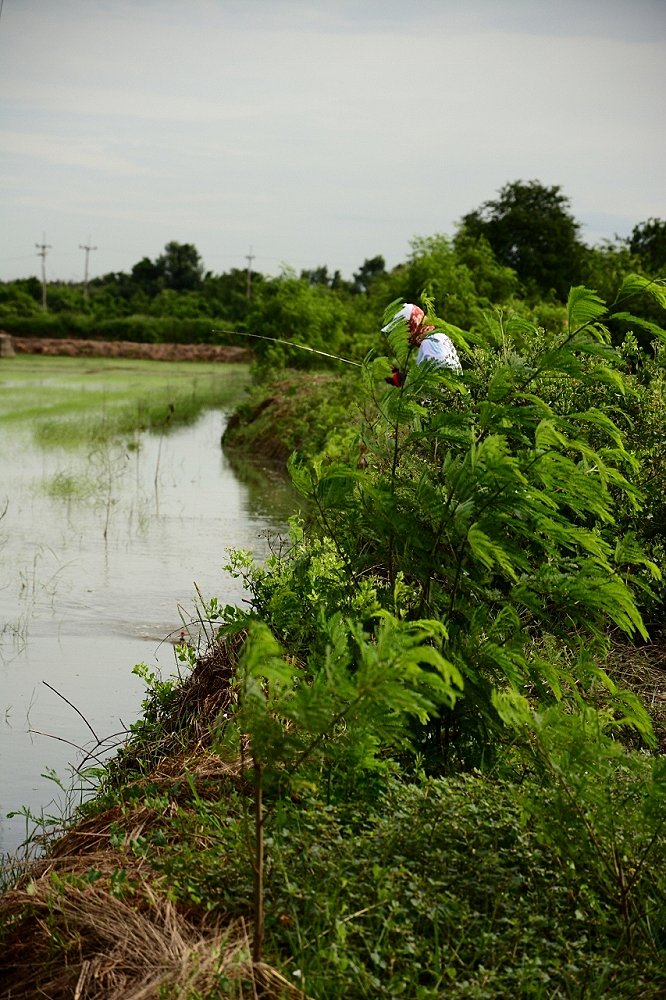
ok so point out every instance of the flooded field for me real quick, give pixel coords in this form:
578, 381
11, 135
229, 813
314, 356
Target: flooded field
104, 541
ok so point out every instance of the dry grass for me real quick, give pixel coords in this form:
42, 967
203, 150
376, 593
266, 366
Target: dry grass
642, 670
87, 944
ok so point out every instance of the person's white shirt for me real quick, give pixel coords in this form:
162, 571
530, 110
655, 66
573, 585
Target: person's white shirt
437, 347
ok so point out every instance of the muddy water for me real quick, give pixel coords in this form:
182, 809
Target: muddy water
96, 577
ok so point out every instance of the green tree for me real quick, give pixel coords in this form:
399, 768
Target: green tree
292, 309
605, 267
530, 229
227, 295
181, 267
178, 305
17, 300
648, 242
496, 517
148, 276
462, 275
367, 274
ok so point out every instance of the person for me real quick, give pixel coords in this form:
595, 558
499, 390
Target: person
432, 345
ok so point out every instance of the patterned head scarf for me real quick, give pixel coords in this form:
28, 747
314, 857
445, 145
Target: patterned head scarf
411, 314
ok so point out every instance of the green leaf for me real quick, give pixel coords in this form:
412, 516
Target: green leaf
642, 324
636, 284
490, 552
583, 307
513, 708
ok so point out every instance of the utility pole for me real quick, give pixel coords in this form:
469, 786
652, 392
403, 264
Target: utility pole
41, 252
87, 248
248, 287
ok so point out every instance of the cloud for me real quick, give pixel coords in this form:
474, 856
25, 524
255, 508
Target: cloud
72, 152
321, 130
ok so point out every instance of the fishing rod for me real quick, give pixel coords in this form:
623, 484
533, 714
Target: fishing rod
289, 343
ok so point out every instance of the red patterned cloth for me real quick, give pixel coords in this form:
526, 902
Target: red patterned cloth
411, 314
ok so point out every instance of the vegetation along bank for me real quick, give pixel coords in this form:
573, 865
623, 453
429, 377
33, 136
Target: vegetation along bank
426, 758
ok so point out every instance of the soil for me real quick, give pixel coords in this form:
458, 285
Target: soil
72, 347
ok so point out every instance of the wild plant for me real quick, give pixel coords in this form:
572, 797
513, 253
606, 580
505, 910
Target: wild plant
334, 714
485, 502
601, 808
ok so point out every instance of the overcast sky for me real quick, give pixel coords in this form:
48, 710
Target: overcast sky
311, 132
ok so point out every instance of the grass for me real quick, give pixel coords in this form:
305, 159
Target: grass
72, 401
296, 412
407, 886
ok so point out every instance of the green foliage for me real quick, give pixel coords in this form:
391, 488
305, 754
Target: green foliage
296, 412
369, 274
648, 242
487, 502
463, 276
308, 314
461, 887
180, 266
337, 711
524, 242
344, 705
530, 229
603, 809
468, 545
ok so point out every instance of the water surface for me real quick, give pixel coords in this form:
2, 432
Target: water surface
100, 556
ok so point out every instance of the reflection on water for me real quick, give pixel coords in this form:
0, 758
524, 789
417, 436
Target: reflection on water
100, 558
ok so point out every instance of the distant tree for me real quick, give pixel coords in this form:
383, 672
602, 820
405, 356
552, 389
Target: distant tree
17, 300
320, 276
292, 309
648, 242
148, 276
605, 267
117, 282
461, 275
181, 267
317, 276
530, 229
367, 274
493, 281
227, 294
31, 286
66, 297
177, 305
433, 267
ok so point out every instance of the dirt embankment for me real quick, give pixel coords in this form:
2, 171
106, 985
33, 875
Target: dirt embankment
72, 347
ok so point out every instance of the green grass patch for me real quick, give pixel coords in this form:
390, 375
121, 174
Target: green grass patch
73, 401
297, 411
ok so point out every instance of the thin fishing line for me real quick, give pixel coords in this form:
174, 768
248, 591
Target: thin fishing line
288, 343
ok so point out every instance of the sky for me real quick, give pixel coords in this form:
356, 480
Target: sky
300, 133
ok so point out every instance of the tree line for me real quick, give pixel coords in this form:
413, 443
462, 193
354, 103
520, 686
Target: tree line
520, 251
